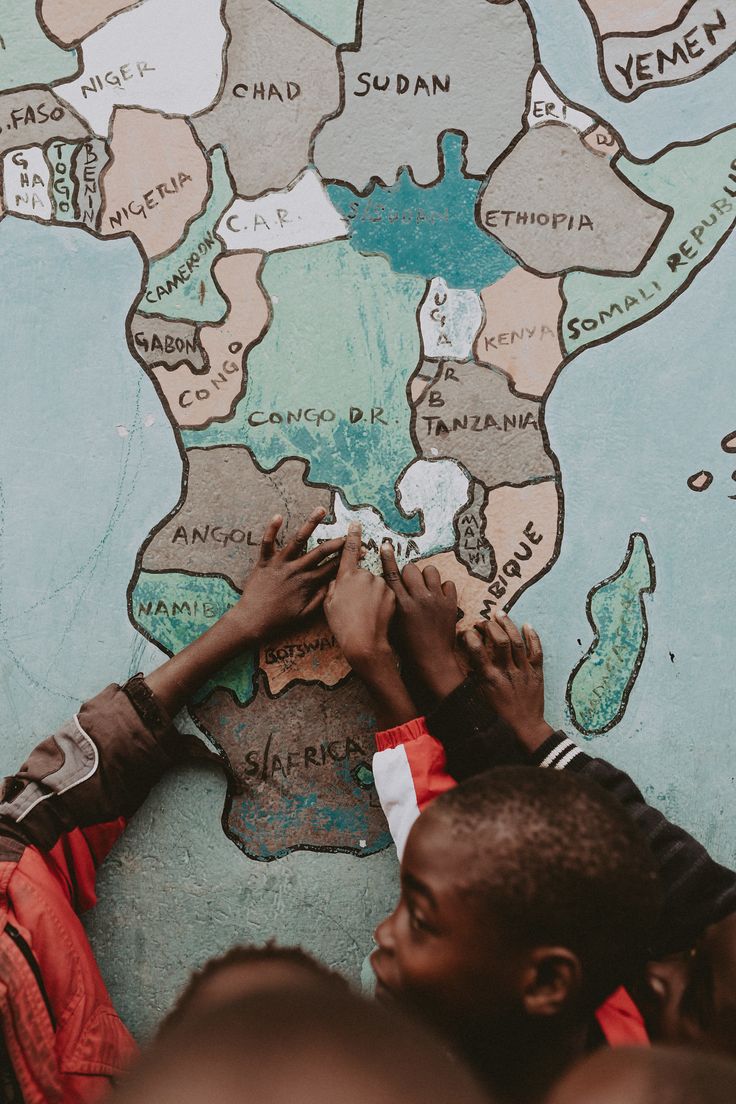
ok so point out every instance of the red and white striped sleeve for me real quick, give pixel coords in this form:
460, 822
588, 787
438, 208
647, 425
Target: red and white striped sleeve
410, 770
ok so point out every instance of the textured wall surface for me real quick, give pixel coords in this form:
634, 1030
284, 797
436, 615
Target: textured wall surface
462, 270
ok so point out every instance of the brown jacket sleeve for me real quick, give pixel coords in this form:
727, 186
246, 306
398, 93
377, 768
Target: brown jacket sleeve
98, 767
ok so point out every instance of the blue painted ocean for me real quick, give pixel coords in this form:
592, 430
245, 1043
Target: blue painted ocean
630, 421
88, 464
658, 117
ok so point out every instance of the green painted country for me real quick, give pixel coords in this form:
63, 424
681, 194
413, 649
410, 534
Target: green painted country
328, 381
335, 19
27, 54
180, 284
699, 183
173, 609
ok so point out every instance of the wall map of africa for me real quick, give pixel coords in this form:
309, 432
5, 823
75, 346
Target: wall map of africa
350, 253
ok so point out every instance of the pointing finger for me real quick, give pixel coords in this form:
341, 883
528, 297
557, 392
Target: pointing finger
304, 532
533, 645
321, 552
472, 640
450, 591
324, 572
268, 542
391, 572
432, 579
316, 601
350, 558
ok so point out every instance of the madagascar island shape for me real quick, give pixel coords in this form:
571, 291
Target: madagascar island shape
599, 687
334, 394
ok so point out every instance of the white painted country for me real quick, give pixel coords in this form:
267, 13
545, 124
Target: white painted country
26, 183
547, 106
153, 56
449, 320
301, 214
439, 488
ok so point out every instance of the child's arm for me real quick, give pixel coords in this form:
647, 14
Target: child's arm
72, 796
409, 765
497, 715
698, 891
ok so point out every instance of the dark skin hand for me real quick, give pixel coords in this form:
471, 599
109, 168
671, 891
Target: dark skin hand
359, 607
286, 586
426, 616
509, 666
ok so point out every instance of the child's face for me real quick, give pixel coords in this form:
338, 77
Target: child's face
696, 992
439, 951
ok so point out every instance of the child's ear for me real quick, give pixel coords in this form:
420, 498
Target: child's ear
551, 981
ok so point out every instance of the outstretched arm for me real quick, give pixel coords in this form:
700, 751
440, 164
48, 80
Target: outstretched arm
409, 765
359, 607
84, 782
286, 586
509, 671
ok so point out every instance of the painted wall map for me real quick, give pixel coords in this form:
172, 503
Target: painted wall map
461, 270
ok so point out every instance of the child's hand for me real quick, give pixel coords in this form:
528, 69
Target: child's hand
427, 617
287, 585
510, 669
359, 607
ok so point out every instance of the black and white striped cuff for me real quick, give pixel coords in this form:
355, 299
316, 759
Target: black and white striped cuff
559, 753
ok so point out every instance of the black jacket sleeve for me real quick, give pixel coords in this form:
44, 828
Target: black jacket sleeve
698, 890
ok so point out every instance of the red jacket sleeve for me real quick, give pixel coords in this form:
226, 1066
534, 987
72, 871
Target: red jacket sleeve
72, 797
410, 770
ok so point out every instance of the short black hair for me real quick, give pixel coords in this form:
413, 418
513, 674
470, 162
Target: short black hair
311, 1042
247, 955
559, 861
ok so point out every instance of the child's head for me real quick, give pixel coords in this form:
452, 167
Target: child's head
692, 996
243, 971
313, 1043
648, 1076
527, 896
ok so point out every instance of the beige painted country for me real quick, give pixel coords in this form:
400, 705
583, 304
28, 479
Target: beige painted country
520, 333
70, 20
156, 182
196, 400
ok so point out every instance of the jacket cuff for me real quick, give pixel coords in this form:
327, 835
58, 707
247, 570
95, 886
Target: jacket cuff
146, 704
559, 752
401, 734
465, 709
473, 736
